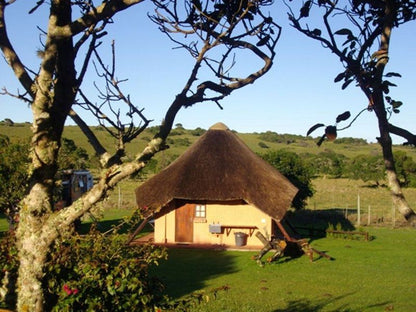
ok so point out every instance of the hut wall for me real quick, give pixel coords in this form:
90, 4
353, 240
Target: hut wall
165, 228
230, 217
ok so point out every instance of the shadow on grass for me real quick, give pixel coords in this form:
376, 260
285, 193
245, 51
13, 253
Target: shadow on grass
314, 223
106, 225
186, 270
4, 224
102, 226
322, 304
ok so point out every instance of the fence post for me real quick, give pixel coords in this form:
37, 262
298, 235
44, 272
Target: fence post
369, 215
358, 210
119, 197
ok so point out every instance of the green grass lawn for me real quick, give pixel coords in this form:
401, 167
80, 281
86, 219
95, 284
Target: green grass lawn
378, 275
4, 225
107, 218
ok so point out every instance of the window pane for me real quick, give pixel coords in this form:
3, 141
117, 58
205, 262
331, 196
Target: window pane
200, 211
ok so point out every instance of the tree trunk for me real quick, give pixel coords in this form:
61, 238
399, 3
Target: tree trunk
385, 141
31, 241
399, 201
32, 259
51, 104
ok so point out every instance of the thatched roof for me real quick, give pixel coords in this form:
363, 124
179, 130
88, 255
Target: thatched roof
218, 167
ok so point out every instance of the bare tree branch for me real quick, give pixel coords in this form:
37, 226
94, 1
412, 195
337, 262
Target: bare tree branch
229, 25
11, 56
113, 99
105, 11
410, 137
92, 139
18, 96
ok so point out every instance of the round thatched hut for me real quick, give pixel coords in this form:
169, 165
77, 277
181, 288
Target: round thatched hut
218, 187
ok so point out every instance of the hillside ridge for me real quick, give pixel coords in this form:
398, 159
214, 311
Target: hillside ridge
180, 139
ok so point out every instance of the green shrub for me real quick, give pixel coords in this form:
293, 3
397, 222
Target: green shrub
94, 272
270, 136
176, 132
8, 272
179, 142
14, 163
295, 170
263, 145
355, 141
198, 131
182, 142
98, 272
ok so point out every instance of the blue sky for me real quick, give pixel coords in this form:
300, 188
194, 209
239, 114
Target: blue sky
298, 91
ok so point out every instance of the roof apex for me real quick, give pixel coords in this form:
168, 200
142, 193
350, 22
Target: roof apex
219, 126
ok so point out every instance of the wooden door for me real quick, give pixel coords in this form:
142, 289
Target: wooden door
184, 223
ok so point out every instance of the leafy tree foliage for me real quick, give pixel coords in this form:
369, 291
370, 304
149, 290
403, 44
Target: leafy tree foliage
177, 131
71, 156
179, 141
271, 136
406, 168
198, 131
14, 163
295, 170
367, 168
263, 145
326, 163
14, 170
9, 263
7, 122
354, 141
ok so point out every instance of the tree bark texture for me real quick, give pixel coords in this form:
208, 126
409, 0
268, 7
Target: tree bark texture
385, 141
377, 99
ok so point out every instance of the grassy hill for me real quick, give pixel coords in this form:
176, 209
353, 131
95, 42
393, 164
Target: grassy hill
180, 139
330, 193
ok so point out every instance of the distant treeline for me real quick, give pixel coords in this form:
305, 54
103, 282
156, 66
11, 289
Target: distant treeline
366, 167
273, 137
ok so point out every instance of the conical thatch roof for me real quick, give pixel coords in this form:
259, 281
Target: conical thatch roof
218, 167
